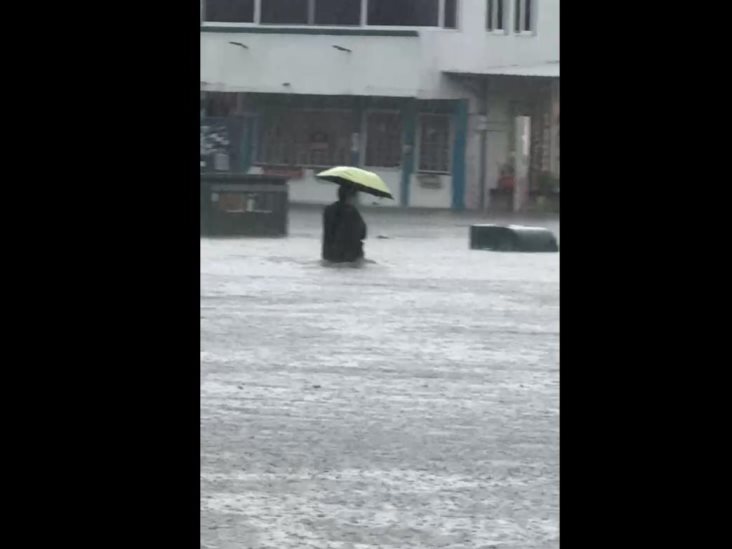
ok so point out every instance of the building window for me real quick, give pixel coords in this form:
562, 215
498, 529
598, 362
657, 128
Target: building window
337, 12
404, 13
229, 11
311, 12
496, 18
219, 104
383, 139
434, 143
221, 143
305, 138
524, 16
450, 14
285, 12
401, 13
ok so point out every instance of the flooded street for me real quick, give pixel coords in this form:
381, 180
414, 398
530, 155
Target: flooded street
413, 403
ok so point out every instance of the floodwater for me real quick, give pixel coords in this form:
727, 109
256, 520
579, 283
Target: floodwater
413, 403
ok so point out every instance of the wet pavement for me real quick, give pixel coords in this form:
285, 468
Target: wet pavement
413, 403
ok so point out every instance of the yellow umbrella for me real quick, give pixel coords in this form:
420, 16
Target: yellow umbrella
361, 180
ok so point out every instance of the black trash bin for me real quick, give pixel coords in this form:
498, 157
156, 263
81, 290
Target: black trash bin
512, 238
243, 205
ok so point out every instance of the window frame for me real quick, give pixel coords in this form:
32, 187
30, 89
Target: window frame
364, 152
253, 22
506, 19
311, 11
440, 19
518, 17
362, 23
236, 126
310, 14
458, 17
259, 128
450, 143
313, 23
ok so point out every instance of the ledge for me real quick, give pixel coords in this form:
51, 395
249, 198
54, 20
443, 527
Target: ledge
311, 30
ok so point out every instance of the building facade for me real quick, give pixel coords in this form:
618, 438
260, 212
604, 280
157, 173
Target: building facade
423, 92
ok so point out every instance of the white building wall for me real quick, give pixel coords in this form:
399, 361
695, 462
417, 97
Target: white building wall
427, 197
475, 49
400, 66
309, 64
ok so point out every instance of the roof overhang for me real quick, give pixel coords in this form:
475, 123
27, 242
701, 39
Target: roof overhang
541, 70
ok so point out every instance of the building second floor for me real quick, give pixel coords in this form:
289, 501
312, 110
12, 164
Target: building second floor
399, 48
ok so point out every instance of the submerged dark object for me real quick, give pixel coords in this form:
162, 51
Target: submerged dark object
512, 238
237, 204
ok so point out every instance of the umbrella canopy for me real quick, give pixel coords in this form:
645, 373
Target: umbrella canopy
361, 180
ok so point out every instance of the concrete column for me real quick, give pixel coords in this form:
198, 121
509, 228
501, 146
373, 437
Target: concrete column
409, 116
460, 120
521, 162
554, 125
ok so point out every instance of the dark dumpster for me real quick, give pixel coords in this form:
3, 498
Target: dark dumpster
512, 238
235, 204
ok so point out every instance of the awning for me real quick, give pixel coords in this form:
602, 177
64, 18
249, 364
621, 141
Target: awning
542, 70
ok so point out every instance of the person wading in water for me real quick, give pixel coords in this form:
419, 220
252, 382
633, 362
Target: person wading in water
344, 230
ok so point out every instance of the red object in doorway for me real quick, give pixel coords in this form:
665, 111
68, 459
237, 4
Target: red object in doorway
506, 183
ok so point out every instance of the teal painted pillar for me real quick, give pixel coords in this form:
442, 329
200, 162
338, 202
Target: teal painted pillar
460, 118
409, 114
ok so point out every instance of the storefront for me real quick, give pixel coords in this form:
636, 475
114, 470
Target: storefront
417, 147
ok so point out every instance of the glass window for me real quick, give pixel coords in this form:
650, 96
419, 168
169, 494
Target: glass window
285, 12
305, 138
495, 16
434, 143
229, 11
524, 20
383, 139
337, 12
451, 14
408, 13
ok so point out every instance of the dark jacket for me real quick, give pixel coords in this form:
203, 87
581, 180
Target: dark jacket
343, 233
